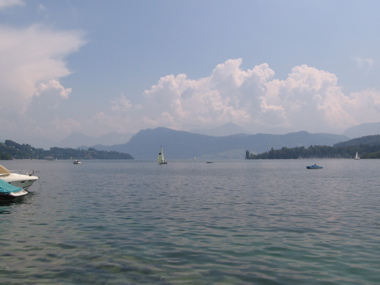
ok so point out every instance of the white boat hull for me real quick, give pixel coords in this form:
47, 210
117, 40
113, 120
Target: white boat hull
23, 181
16, 179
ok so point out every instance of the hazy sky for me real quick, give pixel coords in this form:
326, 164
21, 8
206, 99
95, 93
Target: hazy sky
119, 66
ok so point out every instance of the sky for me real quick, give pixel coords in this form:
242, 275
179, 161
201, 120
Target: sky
99, 67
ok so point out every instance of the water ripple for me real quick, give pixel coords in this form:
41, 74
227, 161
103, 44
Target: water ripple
262, 222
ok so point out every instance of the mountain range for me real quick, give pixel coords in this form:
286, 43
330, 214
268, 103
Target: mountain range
362, 130
223, 142
76, 140
221, 131
145, 144
373, 140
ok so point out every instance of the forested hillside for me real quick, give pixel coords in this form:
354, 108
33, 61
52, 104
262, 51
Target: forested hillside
367, 147
367, 140
12, 150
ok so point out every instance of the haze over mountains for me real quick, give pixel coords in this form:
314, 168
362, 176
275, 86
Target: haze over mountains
76, 140
362, 130
184, 145
225, 130
225, 142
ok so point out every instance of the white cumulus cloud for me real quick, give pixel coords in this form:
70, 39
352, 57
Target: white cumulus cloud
32, 56
31, 64
308, 99
9, 3
364, 63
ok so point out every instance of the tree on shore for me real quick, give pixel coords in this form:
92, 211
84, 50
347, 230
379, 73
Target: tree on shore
12, 150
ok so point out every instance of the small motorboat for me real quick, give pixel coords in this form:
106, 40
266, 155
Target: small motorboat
17, 179
10, 192
314, 166
77, 161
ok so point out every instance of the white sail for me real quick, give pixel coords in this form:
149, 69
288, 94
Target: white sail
161, 157
357, 157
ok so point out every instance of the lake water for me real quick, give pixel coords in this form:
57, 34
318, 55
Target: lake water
188, 222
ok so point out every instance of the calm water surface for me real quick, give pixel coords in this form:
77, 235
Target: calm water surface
188, 222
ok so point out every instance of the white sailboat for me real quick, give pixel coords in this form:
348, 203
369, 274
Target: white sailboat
161, 157
357, 157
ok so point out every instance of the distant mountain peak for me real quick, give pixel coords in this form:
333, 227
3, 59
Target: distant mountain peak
227, 129
185, 145
76, 139
362, 130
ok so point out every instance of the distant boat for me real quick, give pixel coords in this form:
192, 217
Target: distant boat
77, 161
161, 157
314, 166
357, 157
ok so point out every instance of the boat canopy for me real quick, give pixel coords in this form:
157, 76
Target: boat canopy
5, 187
4, 171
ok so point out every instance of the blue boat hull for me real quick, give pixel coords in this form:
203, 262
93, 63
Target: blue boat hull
314, 167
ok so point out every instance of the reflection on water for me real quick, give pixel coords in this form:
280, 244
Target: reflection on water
4, 210
6, 206
246, 222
